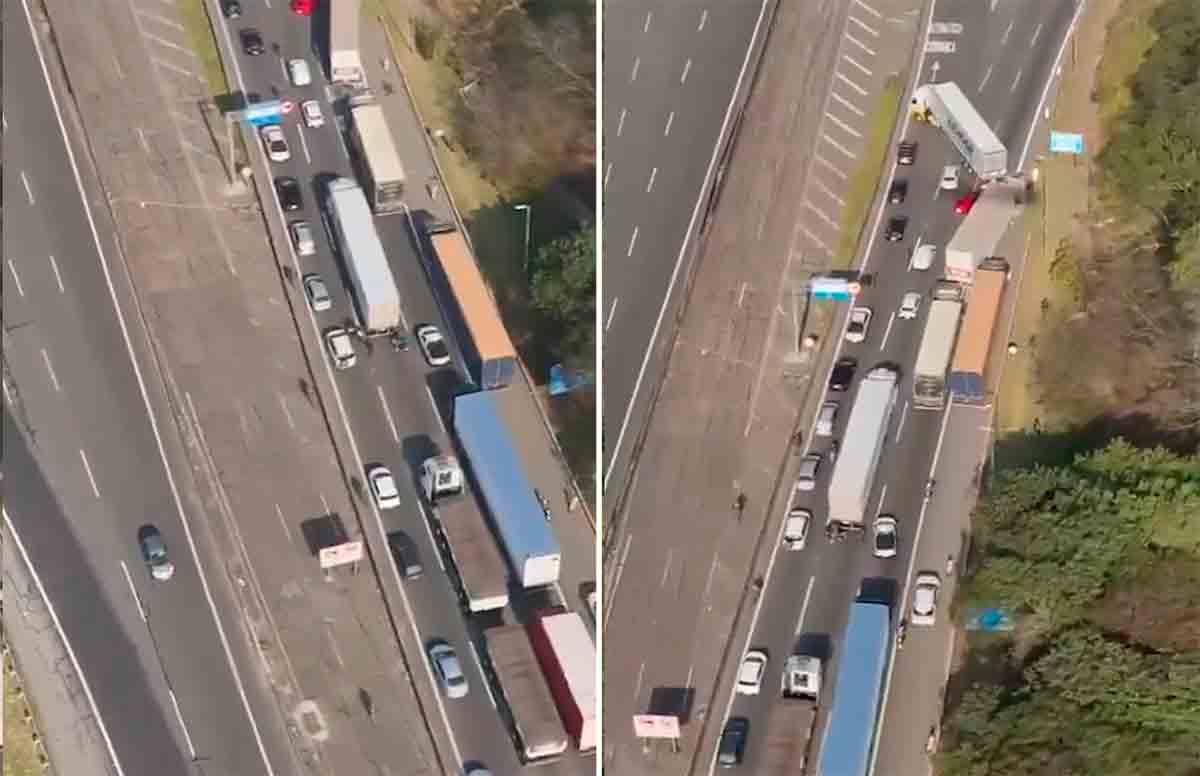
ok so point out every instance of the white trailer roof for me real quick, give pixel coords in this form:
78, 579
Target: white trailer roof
937, 343
377, 143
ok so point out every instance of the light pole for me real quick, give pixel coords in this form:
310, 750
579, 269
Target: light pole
528, 219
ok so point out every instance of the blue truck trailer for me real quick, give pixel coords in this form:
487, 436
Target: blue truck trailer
525, 534
850, 734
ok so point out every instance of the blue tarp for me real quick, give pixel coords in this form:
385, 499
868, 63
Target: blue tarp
563, 380
967, 387
505, 487
856, 694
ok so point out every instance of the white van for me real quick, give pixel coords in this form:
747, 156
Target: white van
949, 177
923, 256
826, 418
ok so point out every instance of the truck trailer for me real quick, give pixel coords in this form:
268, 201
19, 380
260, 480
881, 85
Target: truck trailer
568, 659
981, 230
792, 720
376, 157
525, 533
862, 447
945, 106
937, 346
376, 298
967, 384
345, 62
533, 719
850, 732
476, 565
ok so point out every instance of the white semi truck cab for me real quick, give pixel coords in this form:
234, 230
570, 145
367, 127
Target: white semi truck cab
441, 476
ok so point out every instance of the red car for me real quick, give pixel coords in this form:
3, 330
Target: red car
965, 203
303, 7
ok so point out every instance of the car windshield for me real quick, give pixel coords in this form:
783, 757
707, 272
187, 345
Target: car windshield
885, 540
437, 349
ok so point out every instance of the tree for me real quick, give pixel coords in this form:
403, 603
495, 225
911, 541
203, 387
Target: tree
564, 291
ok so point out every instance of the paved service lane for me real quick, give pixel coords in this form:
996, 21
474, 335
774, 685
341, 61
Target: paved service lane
671, 70
94, 474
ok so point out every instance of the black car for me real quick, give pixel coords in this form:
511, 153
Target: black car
843, 373
898, 192
907, 153
404, 550
895, 229
252, 41
732, 747
231, 8
290, 198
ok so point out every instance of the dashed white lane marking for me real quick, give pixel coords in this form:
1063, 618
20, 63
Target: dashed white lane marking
1016, 81
900, 426
839, 147
830, 166
843, 125
16, 278
632, 241
282, 522
1036, 32
637, 64
856, 63
862, 92
143, 141
687, 68
611, 311
847, 105
860, 44
1007, 32
868, 9
50, 369
670, 121
436, 414
133, 593
28, 189
621, 121
387, 414
650, 183
868, 30
703, 20
287, 413
986, 77
304, 145
87, 468
607, 172
649, 16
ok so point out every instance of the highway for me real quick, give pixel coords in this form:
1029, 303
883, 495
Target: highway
395, 406
84, 470
1003, 62
671, 74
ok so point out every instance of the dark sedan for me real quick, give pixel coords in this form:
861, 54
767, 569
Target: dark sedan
895, 229
252, 41
290, 198
843, 373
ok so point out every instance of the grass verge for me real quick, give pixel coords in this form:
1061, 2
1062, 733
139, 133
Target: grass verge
867, 174
199, 28
20, 752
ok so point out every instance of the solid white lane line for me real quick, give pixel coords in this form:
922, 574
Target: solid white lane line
57, 276
1050, 81
28, 190
882, 496
87, 468
137, 599
50, 369
16, 278
187, 737
387, 413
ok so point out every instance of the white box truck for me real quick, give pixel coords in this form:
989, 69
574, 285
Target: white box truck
981, 230
345, 62
376, 298
945, 106
937, 346
862, 447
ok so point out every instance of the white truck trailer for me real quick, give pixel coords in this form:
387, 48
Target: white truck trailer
477, 568
854, 471
345, 61
937, 346
376, 298
792, 720
945, 106
981, 230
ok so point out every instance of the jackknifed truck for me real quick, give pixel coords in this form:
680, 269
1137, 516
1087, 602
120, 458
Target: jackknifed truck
475, 564
527, 705
792, 720
937, 346
568, 659
854, 471
945, 106
979, 234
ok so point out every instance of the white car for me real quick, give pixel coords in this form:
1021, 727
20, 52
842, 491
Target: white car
909, 306
449, 670
807, 478
298, 72
311, 111
860, 319
949, 177
317, 293
751, 672
302, 238
795, 528
923, 257
924, 601
884, 537
340, 347
275, 143
433, 345
383, 487
826, 418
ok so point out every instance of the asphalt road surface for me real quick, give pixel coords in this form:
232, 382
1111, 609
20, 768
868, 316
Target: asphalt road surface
84, 473
396, 406
671, 70
1003, 60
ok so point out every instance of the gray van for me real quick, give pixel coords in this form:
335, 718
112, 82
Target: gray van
404, 550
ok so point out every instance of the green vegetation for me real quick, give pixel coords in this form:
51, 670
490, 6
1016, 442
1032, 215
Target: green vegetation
867, 174
200, 30
1099, 561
